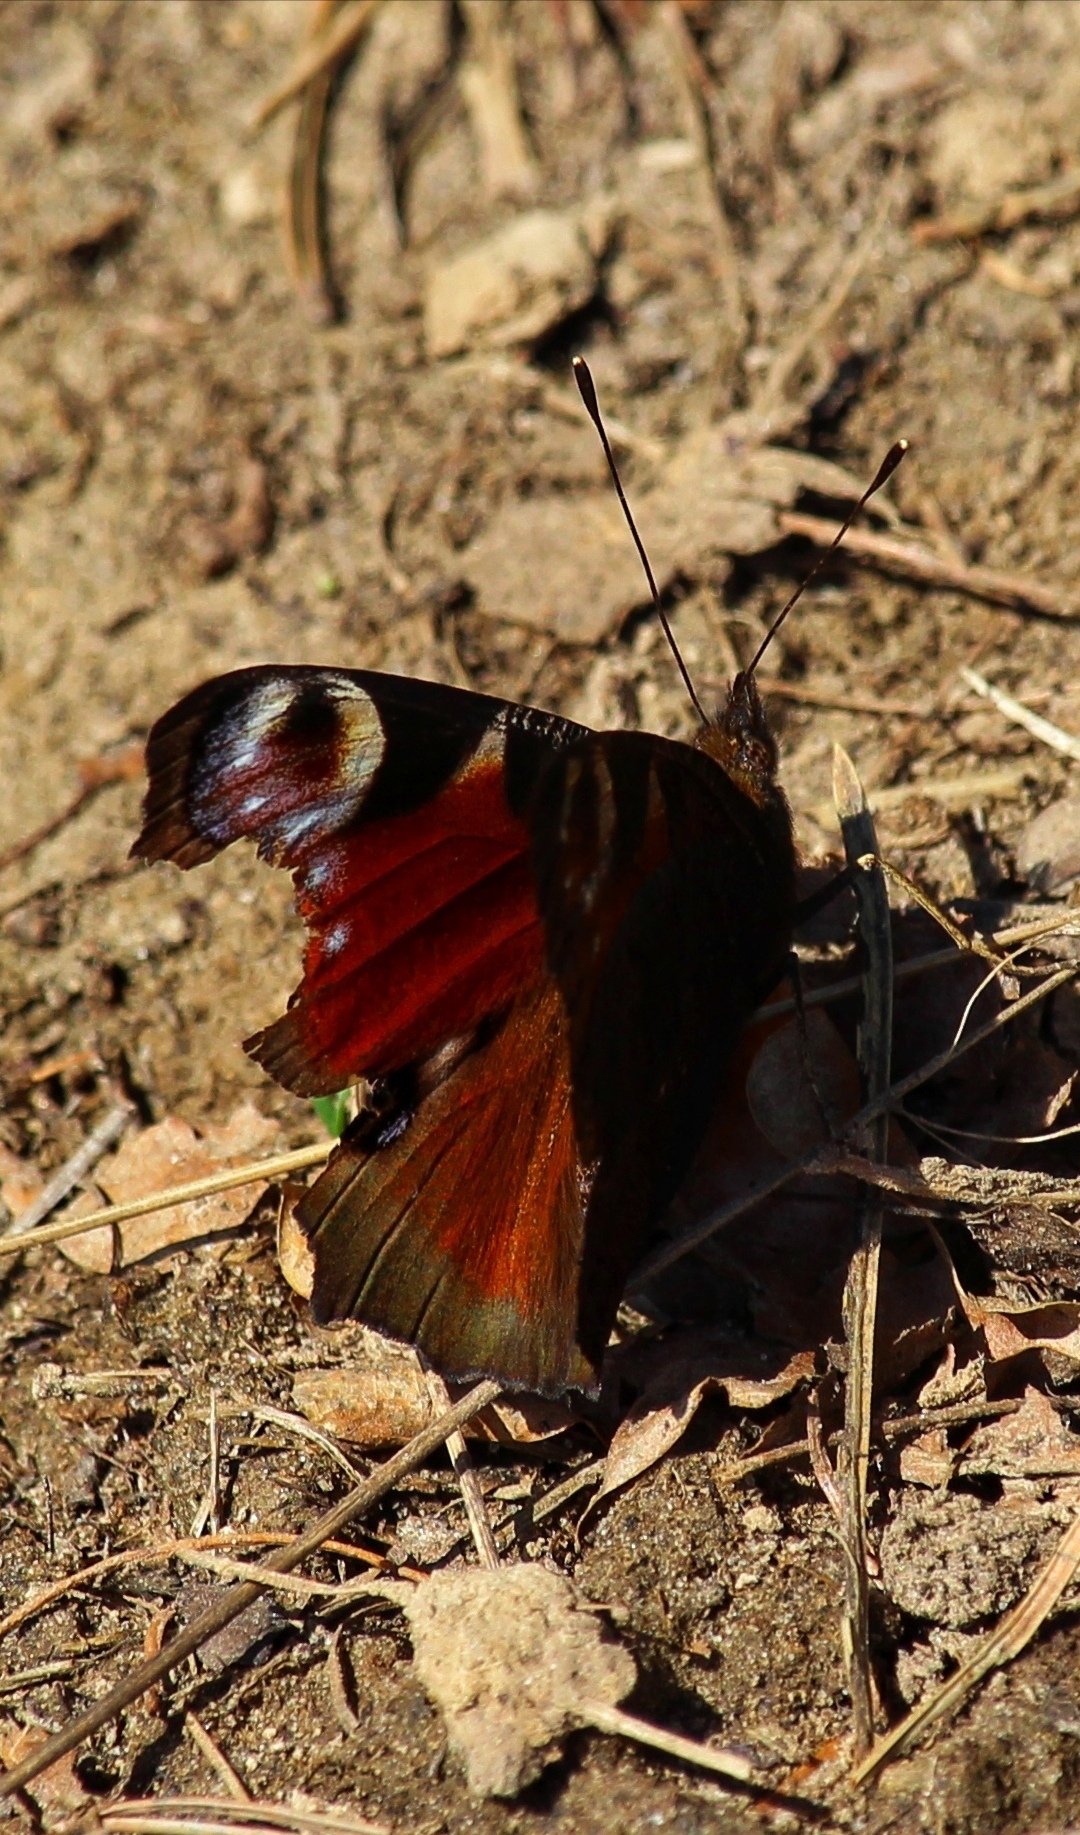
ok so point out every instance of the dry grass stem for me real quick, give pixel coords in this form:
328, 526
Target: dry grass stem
349, 23
200, 1815
1054, 202
835, 1159
872, 860
1067, 924
276, 1168
1051, 735
488, 84
244, 1593
1005, 1642
958, 792
155, 1555
468, 1481
295, 1424
305, 232
691, 1751
820, 1463
860, 1292
214, 1756
915, 563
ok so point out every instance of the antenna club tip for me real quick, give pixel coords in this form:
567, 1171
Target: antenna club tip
586, 387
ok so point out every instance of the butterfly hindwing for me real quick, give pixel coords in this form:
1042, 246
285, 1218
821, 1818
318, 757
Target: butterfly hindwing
461, 1230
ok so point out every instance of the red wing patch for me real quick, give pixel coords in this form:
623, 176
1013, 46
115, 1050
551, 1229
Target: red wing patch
464, 1233
421, 926
388, 799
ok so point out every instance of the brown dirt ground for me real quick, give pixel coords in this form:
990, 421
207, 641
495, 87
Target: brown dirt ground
151, 345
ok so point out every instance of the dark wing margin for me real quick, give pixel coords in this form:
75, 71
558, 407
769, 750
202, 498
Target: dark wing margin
667, 900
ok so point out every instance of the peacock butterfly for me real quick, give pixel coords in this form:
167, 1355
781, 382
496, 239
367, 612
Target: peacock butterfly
536, 942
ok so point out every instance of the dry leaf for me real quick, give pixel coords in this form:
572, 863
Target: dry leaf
296, 1258
381, 1398
511, 1658
1053, 1327
171, 1153
1033, 1443
20, 1181
59, 1788
929, 1460
671, 1401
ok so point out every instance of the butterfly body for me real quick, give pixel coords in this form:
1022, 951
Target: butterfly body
537, 943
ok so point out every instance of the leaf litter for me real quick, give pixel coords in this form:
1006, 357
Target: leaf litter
978, 1305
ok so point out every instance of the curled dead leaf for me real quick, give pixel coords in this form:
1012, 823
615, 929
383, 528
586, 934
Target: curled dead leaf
669, 1404
381, 1398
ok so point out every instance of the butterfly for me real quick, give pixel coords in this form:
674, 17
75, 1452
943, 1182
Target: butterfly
538, 945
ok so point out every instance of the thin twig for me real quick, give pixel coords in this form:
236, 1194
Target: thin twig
1054, 202
28, 1678
252, 1174
561, 1494
1051, 735
809, 694
1005, 1642
96, 774
295, 1586
244, 1593
214, 1756
64, 1180
772, 396
829, 1159
915, 563
692, 1751
305, 1430
739, 1469
128, 1812
468, 1482
156, 1554
325, 52
860, 1291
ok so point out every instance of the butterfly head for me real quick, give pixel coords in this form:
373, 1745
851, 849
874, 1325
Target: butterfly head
740, 740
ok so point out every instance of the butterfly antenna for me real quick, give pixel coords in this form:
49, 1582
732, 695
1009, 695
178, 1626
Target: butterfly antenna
884, 472
587, 391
